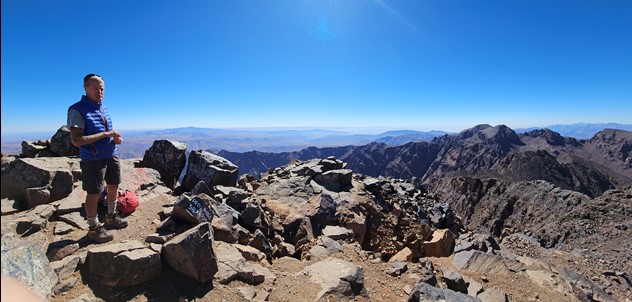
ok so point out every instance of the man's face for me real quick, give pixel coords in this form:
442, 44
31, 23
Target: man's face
95, 90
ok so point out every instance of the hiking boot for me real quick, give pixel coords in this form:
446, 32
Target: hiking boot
99, 234
114, 221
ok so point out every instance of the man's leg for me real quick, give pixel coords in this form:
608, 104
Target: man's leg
92, 172
91, 204
111, 200
113, 179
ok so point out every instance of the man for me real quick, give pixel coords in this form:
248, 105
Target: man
91, 130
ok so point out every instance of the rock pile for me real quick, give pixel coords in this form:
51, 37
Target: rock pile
309, 231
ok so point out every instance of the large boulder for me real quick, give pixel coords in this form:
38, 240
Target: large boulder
35, 181
61, 143
124, 264
336, 278
32, 148
212, 169
192, 253
167, 157
27, 262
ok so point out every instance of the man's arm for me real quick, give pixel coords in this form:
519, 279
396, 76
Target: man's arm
78, 139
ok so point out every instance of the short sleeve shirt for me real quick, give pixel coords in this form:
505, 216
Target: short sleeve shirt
75, 120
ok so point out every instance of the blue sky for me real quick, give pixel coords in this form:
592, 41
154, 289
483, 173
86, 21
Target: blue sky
422, 65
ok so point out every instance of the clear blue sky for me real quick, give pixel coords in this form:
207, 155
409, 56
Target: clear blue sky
436, 64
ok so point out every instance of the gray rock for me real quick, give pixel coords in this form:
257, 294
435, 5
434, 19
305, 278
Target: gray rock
338, 233
61, 143
123, 264
192, 210
427, 292
233, 266
454, 280
27, 262
479, 262
191, 253
168, 158
65, 267
35, 181
212, 169
336, 277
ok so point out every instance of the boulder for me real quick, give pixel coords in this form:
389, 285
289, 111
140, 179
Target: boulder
441, 244
27, 262
479, 262
233, 266
168, 158
124, 264
193, 210
31, 149
192, 253
337, 278
427, 292
35, 181
212, 169
61, 143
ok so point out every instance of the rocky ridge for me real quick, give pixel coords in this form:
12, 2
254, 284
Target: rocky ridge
316, 230
588, 166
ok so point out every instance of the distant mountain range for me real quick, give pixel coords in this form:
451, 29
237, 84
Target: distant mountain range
589, 166
282, 140
581, 130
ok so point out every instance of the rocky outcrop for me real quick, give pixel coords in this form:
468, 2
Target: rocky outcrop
212, 169
591, 167
303, 227
38, 181
124, 264
192, 253
336, 278
168, 158
61, 143
27, 261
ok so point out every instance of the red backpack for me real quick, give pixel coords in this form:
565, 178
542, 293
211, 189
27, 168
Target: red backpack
126, 202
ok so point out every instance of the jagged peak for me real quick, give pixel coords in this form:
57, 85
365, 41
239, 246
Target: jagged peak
610, 133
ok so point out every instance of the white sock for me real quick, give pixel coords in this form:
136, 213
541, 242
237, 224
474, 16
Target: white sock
92, 221
111, 207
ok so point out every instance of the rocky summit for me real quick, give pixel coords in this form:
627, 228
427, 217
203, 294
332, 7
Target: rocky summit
483, 215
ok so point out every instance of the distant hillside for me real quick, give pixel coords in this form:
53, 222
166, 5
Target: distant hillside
588, 166
281, 140
580, 130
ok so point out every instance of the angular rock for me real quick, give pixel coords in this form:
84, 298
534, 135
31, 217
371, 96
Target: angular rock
337, 278
193, 210
335, 180
27, 262
426, 292
212, 169
479, 262
454, 280
441, 244
65, 267
35, 181
338, 233
31, 149
233, 266
61, 144
192, 254
168, 158
124, 264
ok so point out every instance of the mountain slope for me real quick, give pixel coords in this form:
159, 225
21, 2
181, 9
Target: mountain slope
588, 166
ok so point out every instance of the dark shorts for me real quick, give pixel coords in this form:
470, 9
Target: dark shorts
93, 172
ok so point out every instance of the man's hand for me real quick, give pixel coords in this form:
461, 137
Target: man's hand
116, 137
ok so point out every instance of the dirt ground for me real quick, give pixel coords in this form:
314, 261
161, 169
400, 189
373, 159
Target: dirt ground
381, 287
